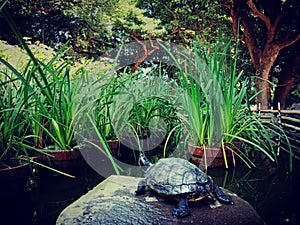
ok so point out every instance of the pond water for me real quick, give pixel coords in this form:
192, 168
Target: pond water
273, 193
43, 204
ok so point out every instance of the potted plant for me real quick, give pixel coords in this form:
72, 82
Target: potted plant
55, 115
201, 114
52, 92
106, 110
242, 127
216, 110
134, 109
15, 160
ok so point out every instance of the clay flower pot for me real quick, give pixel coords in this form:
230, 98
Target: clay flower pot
15, 177
61, 159
209, 156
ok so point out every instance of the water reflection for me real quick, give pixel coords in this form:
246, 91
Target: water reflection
271, 190
42, 205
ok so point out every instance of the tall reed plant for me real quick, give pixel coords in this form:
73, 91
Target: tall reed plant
14, 123
240, 123
139, 106
51, 95
216, 109
54, 90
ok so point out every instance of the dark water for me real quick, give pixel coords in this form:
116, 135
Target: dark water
43, 204
274, 193
272, 190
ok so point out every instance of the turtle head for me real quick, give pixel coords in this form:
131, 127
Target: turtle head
144, 161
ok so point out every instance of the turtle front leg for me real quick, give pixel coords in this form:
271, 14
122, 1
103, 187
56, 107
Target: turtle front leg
182, 209
141, 189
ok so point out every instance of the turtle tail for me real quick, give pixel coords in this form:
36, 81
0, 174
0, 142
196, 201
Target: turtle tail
222, 196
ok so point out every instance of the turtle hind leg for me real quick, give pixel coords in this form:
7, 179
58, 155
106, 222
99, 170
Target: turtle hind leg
141, 189
222, 196
182, 209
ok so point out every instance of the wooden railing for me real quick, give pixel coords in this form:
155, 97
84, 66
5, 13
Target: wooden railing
283, 120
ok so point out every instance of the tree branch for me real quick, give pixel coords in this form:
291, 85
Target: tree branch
270, 27
259, 14
170, 11
146, 51
247, 36
84, 51
44, 9
289, 42
250, 41
234, 17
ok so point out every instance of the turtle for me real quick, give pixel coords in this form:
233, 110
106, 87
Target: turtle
181, 180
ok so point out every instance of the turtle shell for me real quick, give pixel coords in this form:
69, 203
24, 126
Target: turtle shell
174, 176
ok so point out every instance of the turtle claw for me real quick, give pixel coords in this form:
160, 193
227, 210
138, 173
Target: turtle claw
182, 209
176, 212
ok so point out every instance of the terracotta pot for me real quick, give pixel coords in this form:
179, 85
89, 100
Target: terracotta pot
114, 146
14, 178
14, 172
212, 157
61, 158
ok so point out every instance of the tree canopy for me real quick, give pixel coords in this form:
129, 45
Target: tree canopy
268, 30
185, 20
92, 27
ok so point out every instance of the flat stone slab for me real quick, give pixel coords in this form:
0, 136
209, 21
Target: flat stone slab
113, 201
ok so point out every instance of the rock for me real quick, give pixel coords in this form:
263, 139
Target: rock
113, 201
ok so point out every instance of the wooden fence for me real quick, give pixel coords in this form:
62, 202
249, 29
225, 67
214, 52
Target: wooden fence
283, 120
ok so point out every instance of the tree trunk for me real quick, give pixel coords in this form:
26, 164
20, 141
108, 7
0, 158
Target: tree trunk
263, 90
263, 47
262, 82
286, 78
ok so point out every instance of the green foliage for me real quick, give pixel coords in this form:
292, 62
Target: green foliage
91, 32
195, 109
131, 19
39, 98
216, 109
137, 106
51, 98
47, 98
13, 118
185, 20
